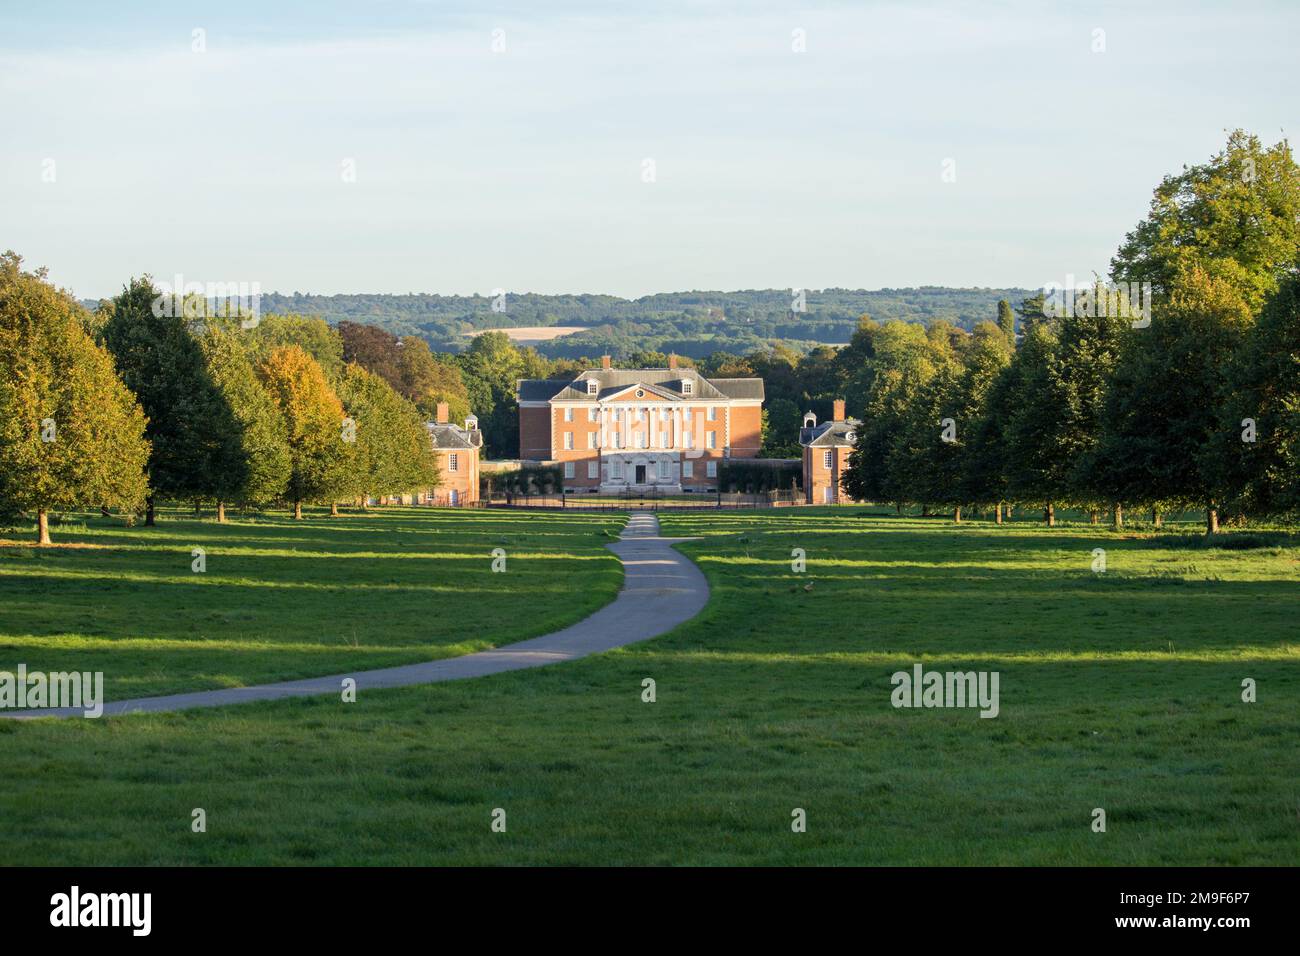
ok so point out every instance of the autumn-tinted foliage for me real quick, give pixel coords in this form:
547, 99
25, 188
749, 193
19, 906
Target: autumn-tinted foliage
314, 419
70, 432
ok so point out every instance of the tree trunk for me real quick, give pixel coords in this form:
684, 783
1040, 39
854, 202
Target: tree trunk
998, 513
1092, 516
1117, 515
898, 507
334, 509
925, 511
1157, 518
297, 510
198, 508
1211, 520
42, 527
103, 510
221, 512
149, 512
1049, 515
956, 515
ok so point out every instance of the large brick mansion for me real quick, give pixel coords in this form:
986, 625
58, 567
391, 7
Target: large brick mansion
661, 429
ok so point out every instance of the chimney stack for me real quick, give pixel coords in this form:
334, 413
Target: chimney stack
443, 413
839, 410
672, 362
604, 362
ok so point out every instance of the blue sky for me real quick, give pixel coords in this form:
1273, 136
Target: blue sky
523, 168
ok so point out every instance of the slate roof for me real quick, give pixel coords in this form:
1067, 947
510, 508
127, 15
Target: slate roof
446, 436
829, 434
667, 381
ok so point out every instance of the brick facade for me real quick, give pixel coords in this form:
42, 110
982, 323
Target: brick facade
456, 450
645, 429
826, 448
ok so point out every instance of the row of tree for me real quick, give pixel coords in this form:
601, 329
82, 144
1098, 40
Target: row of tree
689, 323
482, 379
132, 404
1199, 408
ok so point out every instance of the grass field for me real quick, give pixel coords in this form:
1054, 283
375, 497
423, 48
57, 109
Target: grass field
1120, 691
283, 599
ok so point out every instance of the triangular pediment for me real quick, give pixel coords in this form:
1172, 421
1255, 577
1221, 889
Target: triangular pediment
630, 394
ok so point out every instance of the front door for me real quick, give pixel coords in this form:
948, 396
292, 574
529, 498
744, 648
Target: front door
454, 497
640, 474
827, 495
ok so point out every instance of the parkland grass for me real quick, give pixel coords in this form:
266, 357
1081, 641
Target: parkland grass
1119, 691
281, 599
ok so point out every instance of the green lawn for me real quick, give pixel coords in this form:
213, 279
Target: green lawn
1119, 691
282, 599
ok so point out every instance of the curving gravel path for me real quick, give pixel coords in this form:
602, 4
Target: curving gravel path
661, 589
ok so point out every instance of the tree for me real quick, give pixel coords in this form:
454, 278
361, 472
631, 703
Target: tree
924, 455
373, 349
1236, 218
901, 364
984, 480
651, 358
1007, 322
1254, 455
192, 432
1088, 343
1163, 405
783, 419
852, 368
1219, 239
777, 366
1034, 423
313, 335
975, 475
319, 445
259, 469
392, 452
492, 365
426, 380
70, 431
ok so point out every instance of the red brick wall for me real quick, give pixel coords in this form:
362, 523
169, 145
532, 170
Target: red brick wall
817, 478
541, 437
534, 434
464, 479
746, 431
579, 454
700, 470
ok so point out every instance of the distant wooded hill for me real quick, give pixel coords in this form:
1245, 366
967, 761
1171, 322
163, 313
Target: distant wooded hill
688, 323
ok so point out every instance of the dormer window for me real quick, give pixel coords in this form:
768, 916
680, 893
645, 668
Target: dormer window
687, 387
592, 386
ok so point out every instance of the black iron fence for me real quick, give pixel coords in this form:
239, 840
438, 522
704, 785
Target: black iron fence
647, 501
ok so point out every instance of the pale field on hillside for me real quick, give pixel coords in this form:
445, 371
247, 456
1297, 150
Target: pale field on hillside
534, 333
